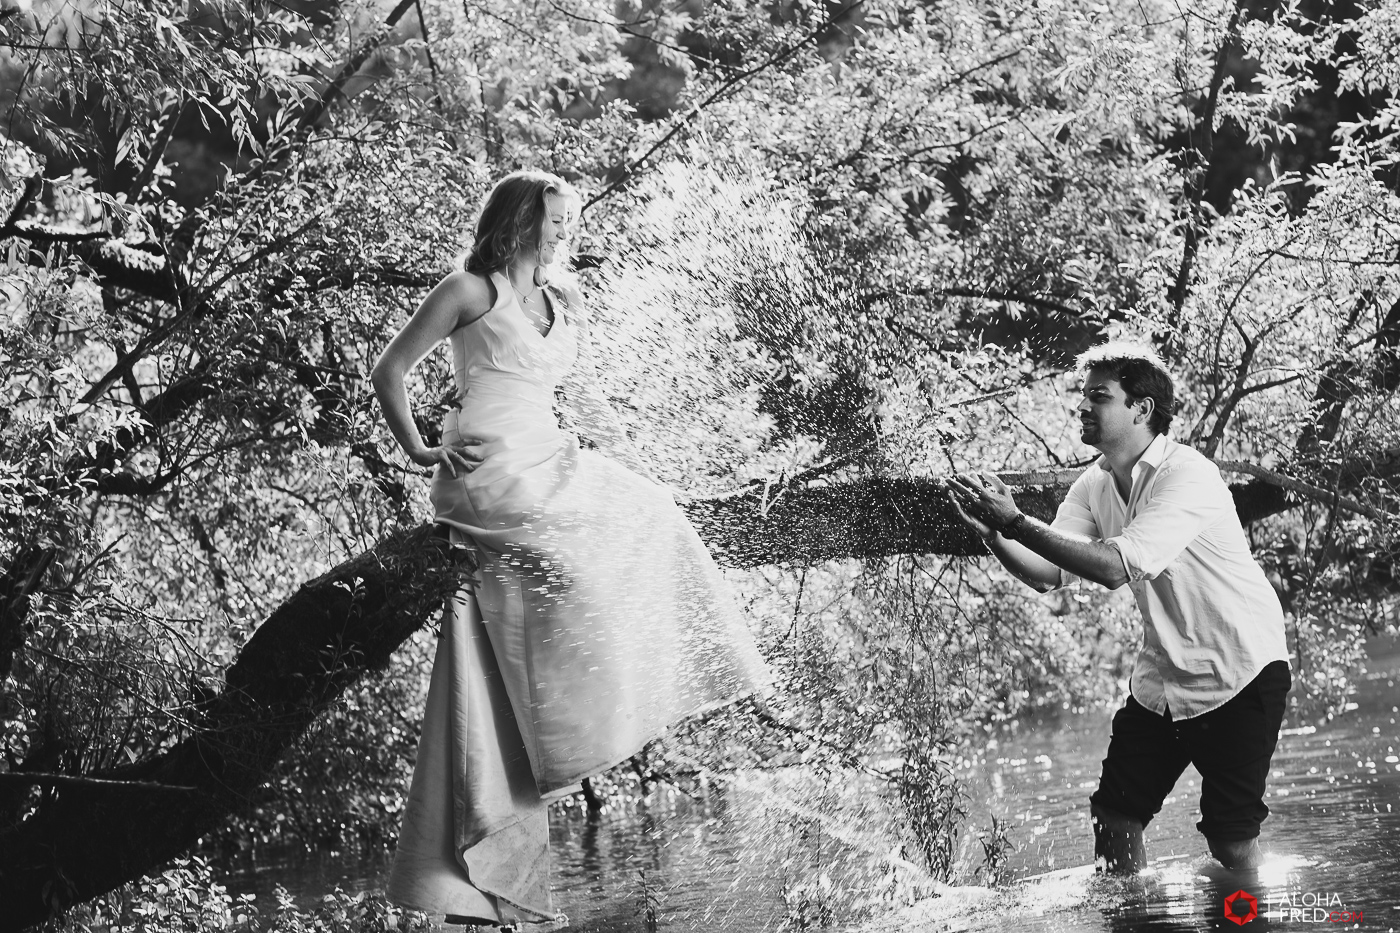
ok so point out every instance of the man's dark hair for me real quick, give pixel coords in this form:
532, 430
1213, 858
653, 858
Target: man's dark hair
1141, 373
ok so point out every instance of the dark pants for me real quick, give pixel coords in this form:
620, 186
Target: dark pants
1231, 747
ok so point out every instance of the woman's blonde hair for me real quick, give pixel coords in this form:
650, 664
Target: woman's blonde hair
511, 219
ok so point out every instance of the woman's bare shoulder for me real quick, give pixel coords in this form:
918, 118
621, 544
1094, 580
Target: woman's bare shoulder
469, 294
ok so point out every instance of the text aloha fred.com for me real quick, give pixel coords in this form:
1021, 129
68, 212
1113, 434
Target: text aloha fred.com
1308, 907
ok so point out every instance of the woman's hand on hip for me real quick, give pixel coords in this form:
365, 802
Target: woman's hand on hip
461, 457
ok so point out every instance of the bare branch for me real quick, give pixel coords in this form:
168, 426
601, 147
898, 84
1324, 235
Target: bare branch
1198, 177
720, 92
38, 233
40, 779
32, 185
1307, 490
17, 585
162, 139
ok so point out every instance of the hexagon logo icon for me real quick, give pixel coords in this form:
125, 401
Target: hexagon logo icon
1241, 907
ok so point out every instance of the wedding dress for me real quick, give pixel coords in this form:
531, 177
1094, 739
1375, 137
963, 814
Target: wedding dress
596, 619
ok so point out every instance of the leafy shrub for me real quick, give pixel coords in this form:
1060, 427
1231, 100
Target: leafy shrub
185, 898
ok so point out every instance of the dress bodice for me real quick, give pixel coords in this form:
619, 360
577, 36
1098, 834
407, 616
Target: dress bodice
501, 352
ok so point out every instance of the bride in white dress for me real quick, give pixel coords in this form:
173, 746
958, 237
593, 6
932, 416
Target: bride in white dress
596, 617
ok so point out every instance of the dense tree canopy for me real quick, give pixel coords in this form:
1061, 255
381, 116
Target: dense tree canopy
833, 252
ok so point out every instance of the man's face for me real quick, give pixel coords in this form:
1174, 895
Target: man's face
1104, 413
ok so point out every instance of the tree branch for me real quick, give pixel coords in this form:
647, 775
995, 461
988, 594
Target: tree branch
335, 88
1307, 490
41, 779
1197, 181
874, 517
38, 233
90, 836
1341, 381
318, 280
158, 146
984, 294
17, 585
32, 186
717, 94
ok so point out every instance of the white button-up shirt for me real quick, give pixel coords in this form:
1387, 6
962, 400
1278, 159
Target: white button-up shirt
1212, 621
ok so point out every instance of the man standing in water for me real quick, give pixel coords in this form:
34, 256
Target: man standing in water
1211, 678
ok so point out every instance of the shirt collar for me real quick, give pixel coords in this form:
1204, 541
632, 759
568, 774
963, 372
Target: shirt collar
1153, 456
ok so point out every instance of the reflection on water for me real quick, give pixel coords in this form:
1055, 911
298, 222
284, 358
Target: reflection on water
783, 850
744, 856
805, 852
1333, 835
1173, 895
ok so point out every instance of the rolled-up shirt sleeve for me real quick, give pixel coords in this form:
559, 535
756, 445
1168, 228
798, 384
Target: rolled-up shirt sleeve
1186, 500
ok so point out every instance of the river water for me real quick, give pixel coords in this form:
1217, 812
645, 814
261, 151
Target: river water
797, 851
1332, 837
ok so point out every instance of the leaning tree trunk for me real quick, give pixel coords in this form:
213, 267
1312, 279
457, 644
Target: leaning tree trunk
94, 832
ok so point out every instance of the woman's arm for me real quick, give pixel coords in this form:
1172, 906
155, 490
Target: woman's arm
457, 300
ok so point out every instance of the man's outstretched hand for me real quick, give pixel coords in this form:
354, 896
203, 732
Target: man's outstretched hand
983, 501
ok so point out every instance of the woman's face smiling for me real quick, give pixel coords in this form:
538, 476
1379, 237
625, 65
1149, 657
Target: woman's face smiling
554, 228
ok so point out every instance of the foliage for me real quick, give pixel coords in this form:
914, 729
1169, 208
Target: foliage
842, 241
185, 899
344, 785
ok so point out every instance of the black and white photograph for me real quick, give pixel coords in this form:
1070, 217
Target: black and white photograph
696, 466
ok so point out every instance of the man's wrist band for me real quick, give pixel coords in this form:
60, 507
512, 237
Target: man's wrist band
1012, 529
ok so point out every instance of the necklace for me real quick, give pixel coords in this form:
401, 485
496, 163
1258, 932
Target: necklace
523, 296
542, 321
